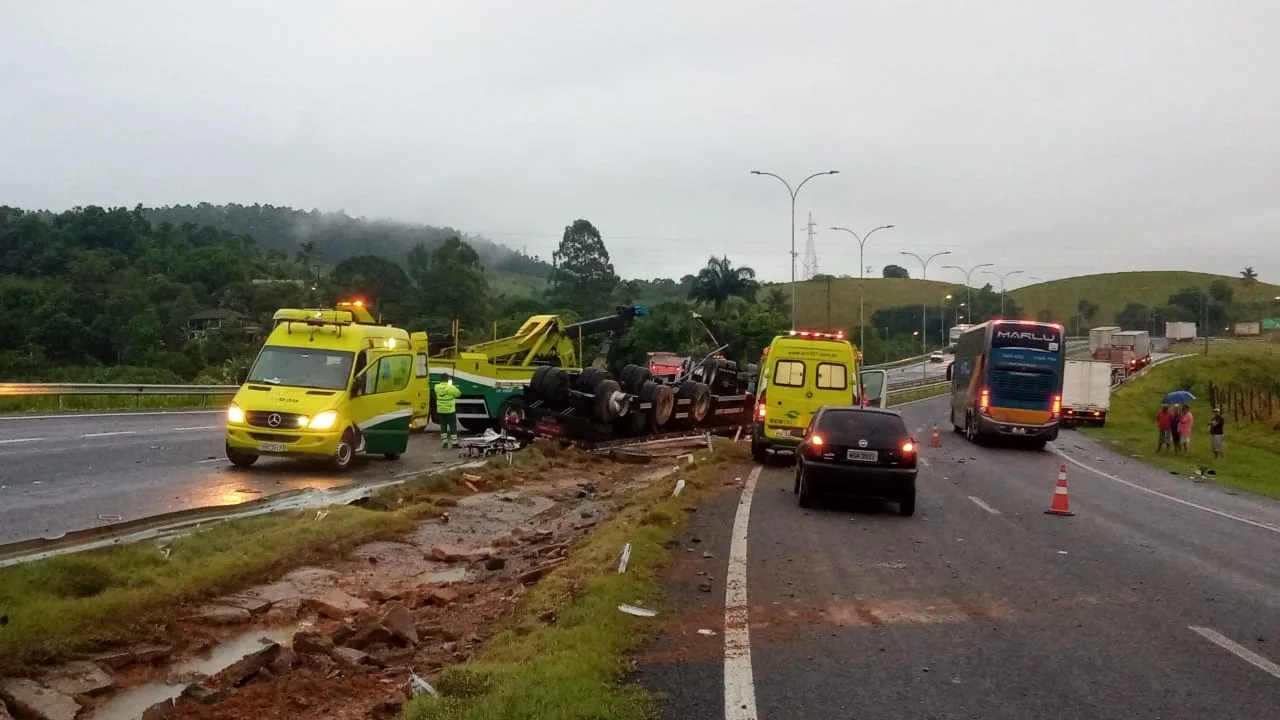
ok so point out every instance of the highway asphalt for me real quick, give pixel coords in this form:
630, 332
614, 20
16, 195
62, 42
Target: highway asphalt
78, 471
1159, 598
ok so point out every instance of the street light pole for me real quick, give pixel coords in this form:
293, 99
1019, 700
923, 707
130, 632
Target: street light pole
862, 243
793, 194
1002, 279
967, 284
924, 329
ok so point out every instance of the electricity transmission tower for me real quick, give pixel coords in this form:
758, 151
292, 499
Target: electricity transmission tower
810, 267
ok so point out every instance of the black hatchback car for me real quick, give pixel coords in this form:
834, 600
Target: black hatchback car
857, 451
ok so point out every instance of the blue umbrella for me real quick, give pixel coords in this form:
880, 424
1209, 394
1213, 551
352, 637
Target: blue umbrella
1178, 397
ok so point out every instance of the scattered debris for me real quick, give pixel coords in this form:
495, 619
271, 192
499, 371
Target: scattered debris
626, 557
679, 488
707, 632
78, 678
419, 687
637, 611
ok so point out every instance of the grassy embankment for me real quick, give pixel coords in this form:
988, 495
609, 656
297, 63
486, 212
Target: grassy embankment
1112, 291
78, 602
1253, 449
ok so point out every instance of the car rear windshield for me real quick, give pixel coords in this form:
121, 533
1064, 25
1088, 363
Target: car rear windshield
842, 425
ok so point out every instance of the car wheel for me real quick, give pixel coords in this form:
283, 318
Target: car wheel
805, 490
907, 503
796, 490
239, 458
345, 453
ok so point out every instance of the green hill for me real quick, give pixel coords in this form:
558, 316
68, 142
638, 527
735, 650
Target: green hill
842, 294
1112, 291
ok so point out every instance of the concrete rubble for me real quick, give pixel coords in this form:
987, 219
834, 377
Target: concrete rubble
29, 699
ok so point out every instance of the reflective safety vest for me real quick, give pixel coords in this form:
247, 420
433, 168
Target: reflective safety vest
446, 394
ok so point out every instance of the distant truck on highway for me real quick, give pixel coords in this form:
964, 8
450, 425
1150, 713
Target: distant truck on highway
1128, 351
1180, 331
1086, 392
956, 332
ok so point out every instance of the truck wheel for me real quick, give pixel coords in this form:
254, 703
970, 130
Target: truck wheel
555, 385
759, 453
510, 415
345, 453
239, 458
589, 378
699, 396
663, 399
534, 390
602, 407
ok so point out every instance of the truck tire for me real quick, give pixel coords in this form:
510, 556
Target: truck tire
663, 400
554, 385
601, 406
589, 378
699, 396
534, 391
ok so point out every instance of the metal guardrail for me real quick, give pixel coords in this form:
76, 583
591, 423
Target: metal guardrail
61, 390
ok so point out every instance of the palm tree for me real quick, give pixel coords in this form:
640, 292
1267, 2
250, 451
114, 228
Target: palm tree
720, 280
1248, 276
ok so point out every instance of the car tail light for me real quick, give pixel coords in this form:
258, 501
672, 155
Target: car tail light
908, 447
816, 440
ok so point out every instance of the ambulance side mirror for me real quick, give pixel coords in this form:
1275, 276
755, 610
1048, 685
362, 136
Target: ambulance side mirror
242, 375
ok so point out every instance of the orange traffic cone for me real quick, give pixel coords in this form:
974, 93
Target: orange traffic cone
1060, 504
935, 440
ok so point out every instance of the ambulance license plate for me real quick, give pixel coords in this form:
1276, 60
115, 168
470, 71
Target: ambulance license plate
270, 447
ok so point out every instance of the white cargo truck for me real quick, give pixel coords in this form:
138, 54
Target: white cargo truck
1100, 337
1180, 331
1086, 392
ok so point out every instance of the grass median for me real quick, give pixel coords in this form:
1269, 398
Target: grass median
85, 601
564, 653
914, 394
1253, 448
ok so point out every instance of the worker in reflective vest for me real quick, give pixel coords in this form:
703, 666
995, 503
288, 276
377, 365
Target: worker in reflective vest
446, 395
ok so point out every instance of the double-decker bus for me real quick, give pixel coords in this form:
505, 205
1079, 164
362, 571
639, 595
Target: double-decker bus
1007, 380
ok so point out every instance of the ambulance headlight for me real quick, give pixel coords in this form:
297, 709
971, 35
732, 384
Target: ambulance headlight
324, 420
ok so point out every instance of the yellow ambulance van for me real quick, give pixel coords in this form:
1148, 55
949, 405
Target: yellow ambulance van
801, 371
330, 384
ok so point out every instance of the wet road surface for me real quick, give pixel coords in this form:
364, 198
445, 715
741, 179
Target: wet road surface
74, 472
1159, 598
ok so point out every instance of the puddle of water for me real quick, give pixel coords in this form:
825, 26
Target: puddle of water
130, 705
452, 575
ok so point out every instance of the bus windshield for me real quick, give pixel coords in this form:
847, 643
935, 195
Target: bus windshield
302, 367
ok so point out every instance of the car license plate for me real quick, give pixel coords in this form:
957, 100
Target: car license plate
863, 455
270, 447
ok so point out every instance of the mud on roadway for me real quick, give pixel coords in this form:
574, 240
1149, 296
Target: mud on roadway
350, 639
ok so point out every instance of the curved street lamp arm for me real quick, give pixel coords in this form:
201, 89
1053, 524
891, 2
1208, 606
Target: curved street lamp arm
791, 192
825, 172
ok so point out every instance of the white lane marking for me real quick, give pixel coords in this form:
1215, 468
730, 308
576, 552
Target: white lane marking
739, 685
109, 434
196, 427
209, 460
980, 503
1238, 650
19, 440
1157, 493
77, 416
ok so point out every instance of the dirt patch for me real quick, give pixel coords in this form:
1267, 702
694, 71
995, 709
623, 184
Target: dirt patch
343, 640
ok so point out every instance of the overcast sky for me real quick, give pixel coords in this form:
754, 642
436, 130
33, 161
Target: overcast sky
1059, 138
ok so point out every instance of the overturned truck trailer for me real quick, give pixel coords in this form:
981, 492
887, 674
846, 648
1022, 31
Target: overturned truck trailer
591, 405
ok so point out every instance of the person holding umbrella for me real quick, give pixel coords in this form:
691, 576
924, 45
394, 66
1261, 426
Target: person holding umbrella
1180, 428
